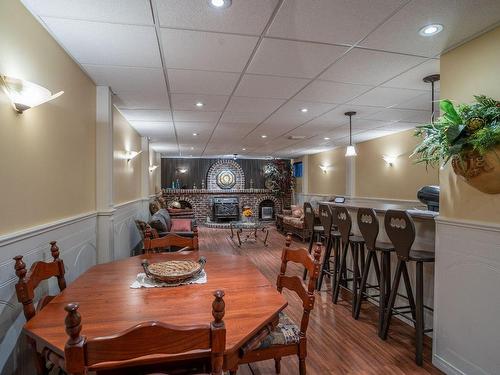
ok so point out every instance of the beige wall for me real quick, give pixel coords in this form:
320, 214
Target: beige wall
47, 162
334, 181
471, 69
126, 174
376, 179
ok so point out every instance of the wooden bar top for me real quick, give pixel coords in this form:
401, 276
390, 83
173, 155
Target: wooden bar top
415, 210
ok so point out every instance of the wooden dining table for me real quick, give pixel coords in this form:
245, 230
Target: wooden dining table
108, 305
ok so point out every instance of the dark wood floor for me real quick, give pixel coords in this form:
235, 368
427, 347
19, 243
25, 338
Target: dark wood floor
337, 344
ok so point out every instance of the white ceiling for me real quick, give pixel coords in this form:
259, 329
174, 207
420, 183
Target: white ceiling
256, 64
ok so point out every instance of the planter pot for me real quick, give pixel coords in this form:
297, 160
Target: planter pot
481, 172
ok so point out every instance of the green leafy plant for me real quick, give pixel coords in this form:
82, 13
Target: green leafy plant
459, 131
279, 174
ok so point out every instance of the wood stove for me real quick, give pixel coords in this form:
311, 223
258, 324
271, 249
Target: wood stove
226, 209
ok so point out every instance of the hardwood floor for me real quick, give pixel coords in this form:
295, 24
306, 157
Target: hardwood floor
337, 344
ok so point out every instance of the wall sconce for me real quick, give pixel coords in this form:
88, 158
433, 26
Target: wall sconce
152, 168
324, 168
182, 170
24, 94
129, 155
389, 159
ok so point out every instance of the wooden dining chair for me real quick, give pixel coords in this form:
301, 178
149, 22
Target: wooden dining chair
287, 338
25, 291
154, 244
129, 347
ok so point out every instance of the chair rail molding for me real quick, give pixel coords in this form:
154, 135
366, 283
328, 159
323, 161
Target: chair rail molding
466, 304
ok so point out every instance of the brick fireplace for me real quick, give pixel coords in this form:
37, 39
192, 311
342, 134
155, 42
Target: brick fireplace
225, 196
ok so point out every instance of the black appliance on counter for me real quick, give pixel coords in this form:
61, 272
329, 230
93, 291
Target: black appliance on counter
429, 195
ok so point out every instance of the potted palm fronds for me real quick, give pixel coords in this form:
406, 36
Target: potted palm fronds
469, 136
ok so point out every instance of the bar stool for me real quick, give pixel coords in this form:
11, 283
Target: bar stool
401, 230
356, 244
315, 231
326, 218
369, 228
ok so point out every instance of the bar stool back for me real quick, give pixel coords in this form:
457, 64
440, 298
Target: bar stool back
314, 232
355, 243
326, 219
400, 228
369, 228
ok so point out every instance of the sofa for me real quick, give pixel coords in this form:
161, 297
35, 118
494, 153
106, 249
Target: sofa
292, 221
175, 210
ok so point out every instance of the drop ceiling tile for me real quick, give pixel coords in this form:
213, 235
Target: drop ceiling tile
412, 79
154, 129
253, 105
244, 117
331, 21
461, 19
369, 67
142, 99
124, 78
398, 126
253, 85
165, 147
136, 12
331, 92
205, 116
201, 82
386, 97
105, 43
293, 59
421, 102
188, 102
407, 115
146, 115
187, 49
245, 17
291, 114
337, 116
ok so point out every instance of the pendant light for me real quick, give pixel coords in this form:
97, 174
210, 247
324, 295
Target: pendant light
350, 151
432, 79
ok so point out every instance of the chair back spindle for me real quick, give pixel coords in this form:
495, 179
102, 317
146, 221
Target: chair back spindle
368, 226
400, 229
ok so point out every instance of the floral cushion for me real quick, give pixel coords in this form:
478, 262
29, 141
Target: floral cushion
294, 221
285, 333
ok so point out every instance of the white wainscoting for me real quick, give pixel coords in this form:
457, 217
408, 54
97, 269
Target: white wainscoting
76, 238
126, 235
467, 298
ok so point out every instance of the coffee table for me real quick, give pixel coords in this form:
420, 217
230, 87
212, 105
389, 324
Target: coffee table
249, 231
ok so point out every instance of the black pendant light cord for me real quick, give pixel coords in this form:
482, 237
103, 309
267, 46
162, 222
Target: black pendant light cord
432, 79
350, 114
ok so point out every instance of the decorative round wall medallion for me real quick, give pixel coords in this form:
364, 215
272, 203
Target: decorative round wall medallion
226, 179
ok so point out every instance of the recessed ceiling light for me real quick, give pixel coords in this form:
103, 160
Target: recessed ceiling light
431, 30
263, 136
199, 104
192, 148
195, 134
220, 4
304, 110
326, 138
243, 149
